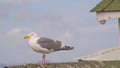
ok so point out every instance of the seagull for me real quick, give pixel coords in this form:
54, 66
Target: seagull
45, 45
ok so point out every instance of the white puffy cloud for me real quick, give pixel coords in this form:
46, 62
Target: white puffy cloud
67, 35
15, 31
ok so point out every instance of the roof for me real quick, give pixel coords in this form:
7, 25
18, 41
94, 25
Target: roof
107, 6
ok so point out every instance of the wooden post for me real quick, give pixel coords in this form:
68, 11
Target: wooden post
119, 32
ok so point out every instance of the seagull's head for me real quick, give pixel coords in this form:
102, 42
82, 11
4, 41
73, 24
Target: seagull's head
31, 35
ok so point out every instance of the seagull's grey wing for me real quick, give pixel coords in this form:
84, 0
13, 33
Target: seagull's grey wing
49, 44
45, 40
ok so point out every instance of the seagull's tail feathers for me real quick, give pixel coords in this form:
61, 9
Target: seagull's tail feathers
67, 48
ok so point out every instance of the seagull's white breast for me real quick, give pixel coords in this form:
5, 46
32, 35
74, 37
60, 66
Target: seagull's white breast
36, 47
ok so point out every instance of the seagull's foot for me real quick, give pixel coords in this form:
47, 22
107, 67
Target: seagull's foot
42, 63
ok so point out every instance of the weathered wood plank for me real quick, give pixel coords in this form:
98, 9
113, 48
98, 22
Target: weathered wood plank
81, 64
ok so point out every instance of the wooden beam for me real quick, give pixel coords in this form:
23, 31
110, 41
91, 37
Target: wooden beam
119, 31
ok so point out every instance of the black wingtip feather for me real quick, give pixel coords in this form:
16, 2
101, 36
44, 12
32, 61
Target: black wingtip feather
68, 48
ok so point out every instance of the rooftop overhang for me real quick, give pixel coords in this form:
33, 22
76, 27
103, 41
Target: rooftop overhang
103, 16
107, 9
107, 6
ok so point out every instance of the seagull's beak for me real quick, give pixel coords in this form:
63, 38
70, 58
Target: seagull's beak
26, 36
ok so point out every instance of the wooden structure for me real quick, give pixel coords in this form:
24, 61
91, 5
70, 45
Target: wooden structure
106, 10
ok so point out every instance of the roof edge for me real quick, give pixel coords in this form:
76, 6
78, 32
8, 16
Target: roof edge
101, 6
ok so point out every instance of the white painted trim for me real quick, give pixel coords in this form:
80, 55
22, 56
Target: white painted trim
107, 15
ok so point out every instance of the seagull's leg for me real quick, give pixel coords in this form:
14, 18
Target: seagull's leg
43, 59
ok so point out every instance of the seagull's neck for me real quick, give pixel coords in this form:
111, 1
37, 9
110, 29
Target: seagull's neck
32, 40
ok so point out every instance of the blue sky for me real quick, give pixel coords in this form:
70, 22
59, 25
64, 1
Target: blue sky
66, 20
